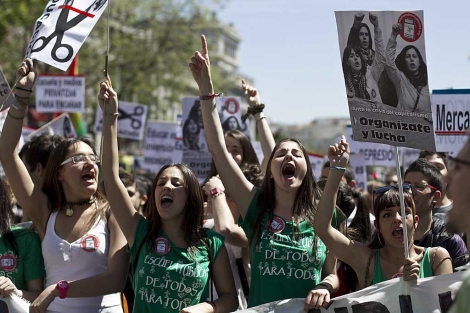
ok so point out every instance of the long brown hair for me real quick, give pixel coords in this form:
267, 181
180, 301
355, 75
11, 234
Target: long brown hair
53, 188
193, 211
386, 200
305, 203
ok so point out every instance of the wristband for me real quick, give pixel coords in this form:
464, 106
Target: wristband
24, 89
211, 96
328, 286
342, 169
112, 114
215, 192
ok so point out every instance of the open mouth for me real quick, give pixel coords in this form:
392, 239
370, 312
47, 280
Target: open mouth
288, 171
89, 178
166, 201
398, 233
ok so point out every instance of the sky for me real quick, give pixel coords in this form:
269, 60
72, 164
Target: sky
290, 48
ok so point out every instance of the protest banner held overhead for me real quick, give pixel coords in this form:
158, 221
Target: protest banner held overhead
388, 92
451, 114
59, 93
131, 120
433, 294
6, 97
62, 29
161, 145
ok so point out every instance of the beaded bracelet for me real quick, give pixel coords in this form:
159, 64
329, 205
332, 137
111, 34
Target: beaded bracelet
217, 194
342, 169
211, 96
252, 111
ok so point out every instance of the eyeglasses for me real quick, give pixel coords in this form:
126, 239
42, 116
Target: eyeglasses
422, 186
384, 189
81, 158
452, 162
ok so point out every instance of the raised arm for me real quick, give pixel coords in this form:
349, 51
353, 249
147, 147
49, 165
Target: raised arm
353, 253
32, 200
266, 138
391, 67
127, 217
241, 190
378, 64
224, 221
354, 31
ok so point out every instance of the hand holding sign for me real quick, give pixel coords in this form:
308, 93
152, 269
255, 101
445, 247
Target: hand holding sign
338, 154
7, 287
201, 68
26, 77
108, 98
411, 269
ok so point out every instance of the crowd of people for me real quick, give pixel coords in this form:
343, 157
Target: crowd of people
251, 234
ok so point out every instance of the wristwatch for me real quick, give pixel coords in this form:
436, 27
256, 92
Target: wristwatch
216, 192
63, 287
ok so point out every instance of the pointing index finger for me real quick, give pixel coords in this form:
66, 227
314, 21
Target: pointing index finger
205, 52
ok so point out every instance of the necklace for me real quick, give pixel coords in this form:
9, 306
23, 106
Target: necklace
69, 211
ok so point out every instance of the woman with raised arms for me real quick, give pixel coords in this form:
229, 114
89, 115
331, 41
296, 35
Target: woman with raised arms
287, 259
173, 257
383, 259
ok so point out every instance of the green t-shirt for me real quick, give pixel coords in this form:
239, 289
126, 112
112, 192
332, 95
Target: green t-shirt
283, 263
462, 301
167, 279
28, 265
425, 269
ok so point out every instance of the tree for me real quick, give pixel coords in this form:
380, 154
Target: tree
151, 42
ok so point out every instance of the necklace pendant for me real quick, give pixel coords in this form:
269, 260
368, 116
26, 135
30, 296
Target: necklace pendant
69, 211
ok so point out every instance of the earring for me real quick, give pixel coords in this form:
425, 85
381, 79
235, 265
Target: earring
380, 241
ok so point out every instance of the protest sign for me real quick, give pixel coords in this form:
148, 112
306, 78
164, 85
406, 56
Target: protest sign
316, 161
388, 97
258, 150
195, 151
380, 154
451, 114
6, 97
358, 164
131, 120
61, 125
62, 93
433, 294
161, 145
62, 29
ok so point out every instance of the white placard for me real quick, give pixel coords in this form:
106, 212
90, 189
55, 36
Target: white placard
451, 114
61, 125
433, 294
131, 120
161, 145
60, 93
358, 164
316, 161
62, 29
6, 97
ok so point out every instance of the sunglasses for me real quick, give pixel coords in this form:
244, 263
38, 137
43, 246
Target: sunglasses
384, 189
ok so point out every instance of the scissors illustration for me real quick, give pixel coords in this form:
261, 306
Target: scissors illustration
61, 27
136, 123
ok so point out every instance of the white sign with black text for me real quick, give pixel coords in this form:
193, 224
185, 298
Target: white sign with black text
61, 125
6, 97
60, 93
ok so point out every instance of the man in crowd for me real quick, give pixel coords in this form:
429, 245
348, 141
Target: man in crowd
439, 160
459, 216
348, 176
426, 182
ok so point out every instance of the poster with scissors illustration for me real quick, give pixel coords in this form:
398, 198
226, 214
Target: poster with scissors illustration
62, 29
131, 120
383, 60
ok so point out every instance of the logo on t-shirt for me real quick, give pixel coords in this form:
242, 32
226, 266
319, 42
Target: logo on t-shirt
90, 243
8, 262
162, 246
276, 225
